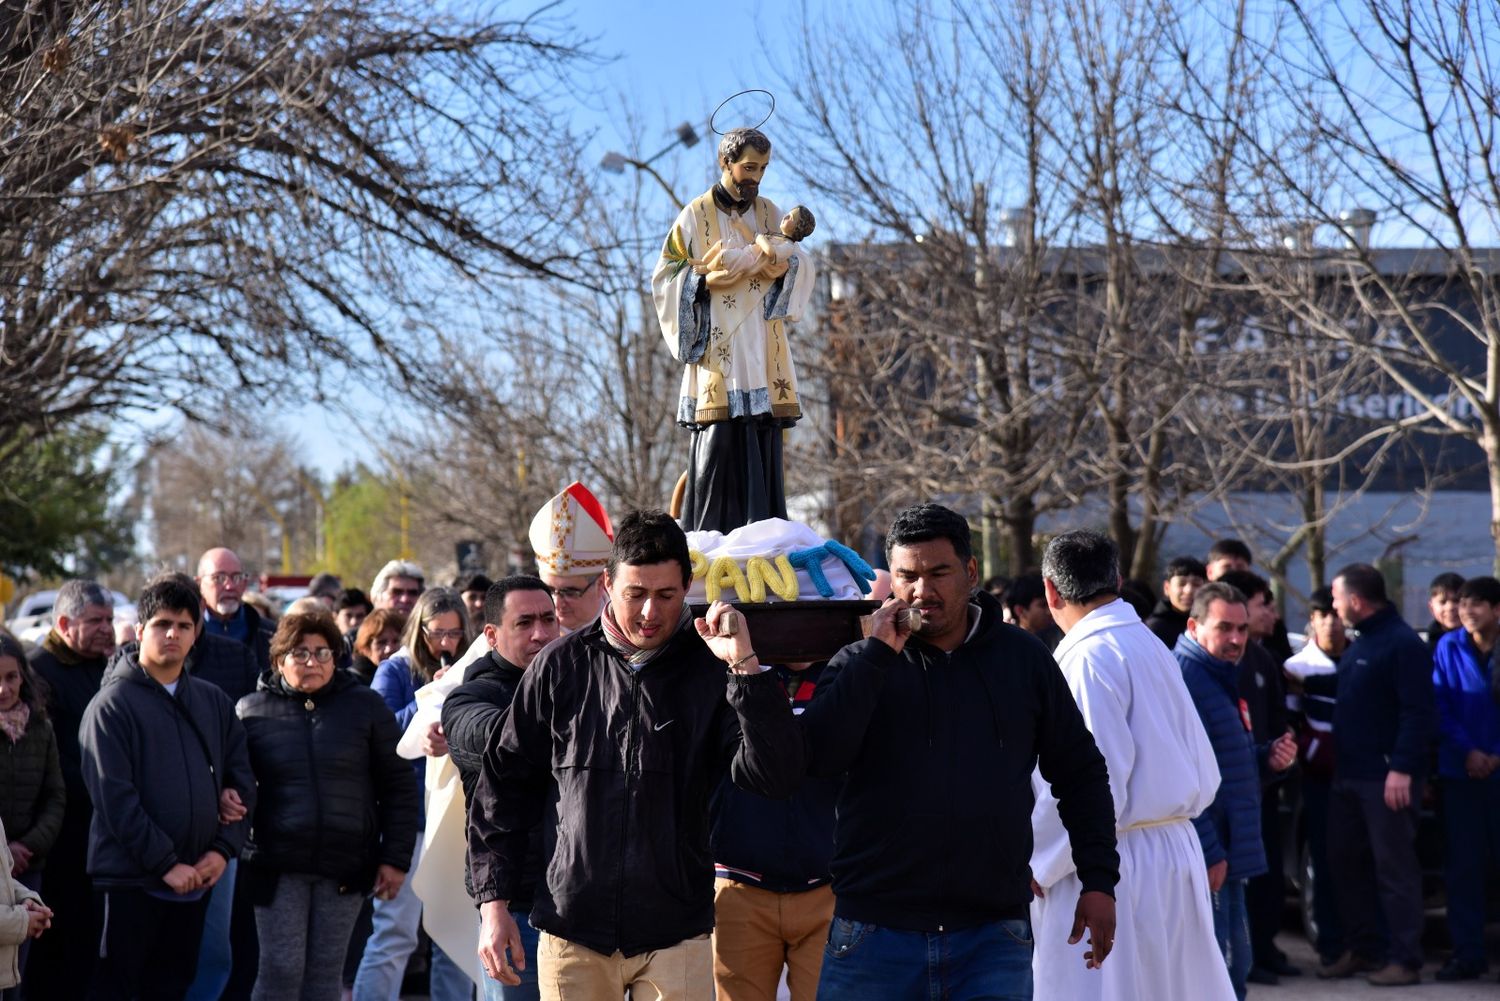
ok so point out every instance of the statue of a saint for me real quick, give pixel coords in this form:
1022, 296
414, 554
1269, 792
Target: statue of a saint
725, 286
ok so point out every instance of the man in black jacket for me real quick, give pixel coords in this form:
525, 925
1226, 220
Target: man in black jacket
938, 729
71, 660
160, 749
519, 620
617, 736
1385, 719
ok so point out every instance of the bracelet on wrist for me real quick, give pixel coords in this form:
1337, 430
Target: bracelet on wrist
739, 663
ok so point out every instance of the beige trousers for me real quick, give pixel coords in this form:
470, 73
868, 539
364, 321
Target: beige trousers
571, 972
758, 931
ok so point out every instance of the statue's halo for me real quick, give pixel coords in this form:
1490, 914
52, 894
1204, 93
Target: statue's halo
731, 97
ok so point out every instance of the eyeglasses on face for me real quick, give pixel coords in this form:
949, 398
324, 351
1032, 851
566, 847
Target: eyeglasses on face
220, 579
574, 593
305, 655
443, 634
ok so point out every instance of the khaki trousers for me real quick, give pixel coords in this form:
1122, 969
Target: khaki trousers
571, 972
757, 931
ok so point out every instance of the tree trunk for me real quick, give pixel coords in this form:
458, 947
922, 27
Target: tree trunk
1020, 525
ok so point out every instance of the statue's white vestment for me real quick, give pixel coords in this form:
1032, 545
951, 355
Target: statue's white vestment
1162, 773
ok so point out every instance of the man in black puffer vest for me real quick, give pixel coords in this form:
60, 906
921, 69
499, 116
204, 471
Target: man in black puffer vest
519, 620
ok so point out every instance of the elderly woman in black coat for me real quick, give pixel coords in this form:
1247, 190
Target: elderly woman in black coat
337, 809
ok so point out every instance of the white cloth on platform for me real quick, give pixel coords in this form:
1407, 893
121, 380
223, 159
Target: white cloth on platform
1162, 773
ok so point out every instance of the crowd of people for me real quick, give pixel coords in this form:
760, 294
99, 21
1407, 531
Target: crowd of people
976, 798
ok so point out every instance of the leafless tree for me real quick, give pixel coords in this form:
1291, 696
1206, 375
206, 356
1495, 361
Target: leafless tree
212, 195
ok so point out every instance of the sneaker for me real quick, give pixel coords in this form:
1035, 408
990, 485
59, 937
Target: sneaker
1347, 965
1459, 969
1394, 975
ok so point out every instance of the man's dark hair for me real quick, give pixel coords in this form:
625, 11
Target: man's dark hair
1485, 589
1138, 594
466, 582
495, 594
1445, 583
1185, 566
1230, 547
1365, 581
732, 146
1249, 584
925, 522
1321, 601
646, 537
1082, 565
170, 592
353, 597
1024, 590
1210, 593
324, 583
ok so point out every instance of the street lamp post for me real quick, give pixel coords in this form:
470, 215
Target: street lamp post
615, 162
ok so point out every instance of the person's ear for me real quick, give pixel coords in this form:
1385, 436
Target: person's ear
1054, 597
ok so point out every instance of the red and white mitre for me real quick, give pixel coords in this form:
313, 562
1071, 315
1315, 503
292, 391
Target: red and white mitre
572, 535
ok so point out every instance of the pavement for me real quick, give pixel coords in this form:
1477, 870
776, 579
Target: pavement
1309, 986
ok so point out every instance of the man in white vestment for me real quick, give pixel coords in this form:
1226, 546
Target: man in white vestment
1162, 773
723, 310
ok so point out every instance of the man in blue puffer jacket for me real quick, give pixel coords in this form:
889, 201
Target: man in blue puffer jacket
1218, 628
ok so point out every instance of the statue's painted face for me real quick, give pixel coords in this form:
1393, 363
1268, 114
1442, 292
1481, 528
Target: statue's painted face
742, 178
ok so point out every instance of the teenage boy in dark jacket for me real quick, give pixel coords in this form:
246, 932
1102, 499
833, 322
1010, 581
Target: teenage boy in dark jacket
519, 619
160, 751
773, 898
1385, 720
937, 730
617, 736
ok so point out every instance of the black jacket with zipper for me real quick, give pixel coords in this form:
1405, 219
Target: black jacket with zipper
933, 829
618, 765
335, 799
154, 764
471, 714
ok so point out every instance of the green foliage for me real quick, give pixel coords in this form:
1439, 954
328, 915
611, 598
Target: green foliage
363, 525
56, 515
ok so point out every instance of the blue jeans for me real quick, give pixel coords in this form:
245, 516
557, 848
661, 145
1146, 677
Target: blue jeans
1471, 819
215, 957
1232, 929
529, 989
393, 938
865, 962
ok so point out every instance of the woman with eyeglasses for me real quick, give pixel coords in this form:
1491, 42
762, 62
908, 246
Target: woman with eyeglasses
336, 813
435, 633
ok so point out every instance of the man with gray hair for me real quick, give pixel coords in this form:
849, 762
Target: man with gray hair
398, 585
71, 660
1161, 774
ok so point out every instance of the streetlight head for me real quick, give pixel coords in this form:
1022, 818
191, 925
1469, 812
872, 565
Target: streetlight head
687, 135
613, 162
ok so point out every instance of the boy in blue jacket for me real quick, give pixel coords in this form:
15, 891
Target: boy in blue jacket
1469, 768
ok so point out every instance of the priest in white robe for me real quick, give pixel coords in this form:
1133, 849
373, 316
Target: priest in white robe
723, 310
1162, 773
